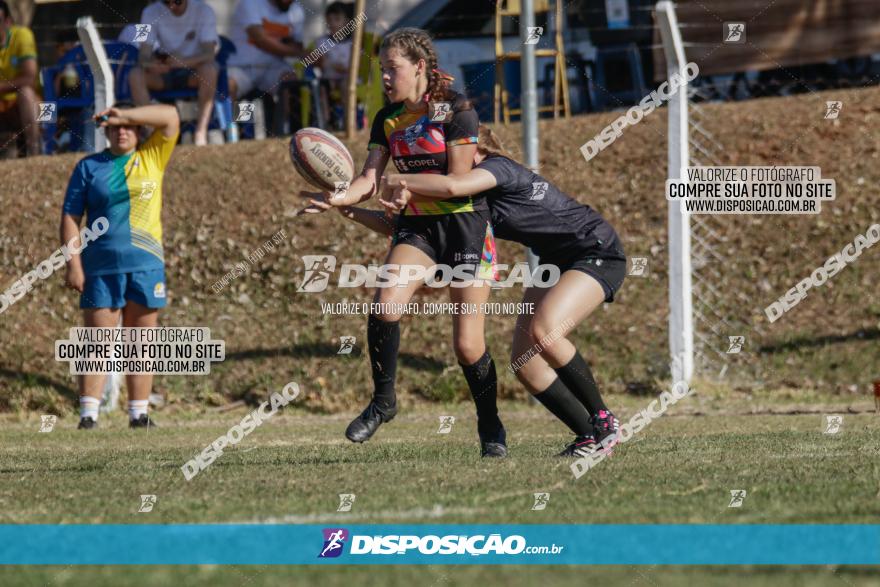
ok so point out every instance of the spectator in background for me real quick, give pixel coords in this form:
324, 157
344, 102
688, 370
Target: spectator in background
18, 81
335, 62
67, 80
179, 54
265, 32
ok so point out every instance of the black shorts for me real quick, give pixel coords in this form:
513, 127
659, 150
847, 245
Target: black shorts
605, 265
463, 238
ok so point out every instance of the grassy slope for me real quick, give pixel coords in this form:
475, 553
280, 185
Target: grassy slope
223, 202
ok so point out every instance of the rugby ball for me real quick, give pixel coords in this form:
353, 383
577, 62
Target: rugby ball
321, 159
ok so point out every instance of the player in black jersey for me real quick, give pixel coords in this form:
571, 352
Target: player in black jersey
528, 209
427, 129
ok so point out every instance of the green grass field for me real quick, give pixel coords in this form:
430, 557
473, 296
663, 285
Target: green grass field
680, 469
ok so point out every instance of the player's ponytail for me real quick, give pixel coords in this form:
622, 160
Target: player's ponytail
489, 145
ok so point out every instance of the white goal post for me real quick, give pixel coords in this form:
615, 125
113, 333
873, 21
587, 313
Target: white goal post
104, 84
681, 317
102, 73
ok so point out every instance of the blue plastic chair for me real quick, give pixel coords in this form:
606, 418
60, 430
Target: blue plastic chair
221, 117
79, 106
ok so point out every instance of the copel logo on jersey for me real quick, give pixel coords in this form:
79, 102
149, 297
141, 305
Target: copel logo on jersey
334, 540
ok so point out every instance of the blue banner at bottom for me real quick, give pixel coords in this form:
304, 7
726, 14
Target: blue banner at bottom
186, 544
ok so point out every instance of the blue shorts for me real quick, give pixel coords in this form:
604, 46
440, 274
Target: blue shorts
146, 288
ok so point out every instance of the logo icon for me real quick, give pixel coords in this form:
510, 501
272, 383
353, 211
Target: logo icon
412, 133
47, 423
446, 423
735, 344
833, 424
539, 190
734, 32
317, 275
334, 540
534, 35
245, 112
47, 112
441, 111
346, 345
147, 503
639, 266
346, 500
832, 109
148, 188
141, 33
737, 497
339, 189
159, 290
541, 500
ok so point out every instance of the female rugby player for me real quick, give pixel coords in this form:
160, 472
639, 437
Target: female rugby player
528, 209
124, 269
427, 129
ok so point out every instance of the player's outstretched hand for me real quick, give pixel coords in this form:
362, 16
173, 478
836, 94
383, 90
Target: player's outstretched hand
398, 199
319, 205
332, 198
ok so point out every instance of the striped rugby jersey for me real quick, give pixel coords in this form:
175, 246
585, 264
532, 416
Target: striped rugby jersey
127, 190
418, 145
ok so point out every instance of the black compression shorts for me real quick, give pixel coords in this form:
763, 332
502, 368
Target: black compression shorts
607, 265
463, 238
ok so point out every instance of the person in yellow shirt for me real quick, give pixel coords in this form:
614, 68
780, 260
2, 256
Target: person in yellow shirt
18, 81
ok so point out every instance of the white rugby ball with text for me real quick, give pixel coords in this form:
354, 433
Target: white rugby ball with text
321, 159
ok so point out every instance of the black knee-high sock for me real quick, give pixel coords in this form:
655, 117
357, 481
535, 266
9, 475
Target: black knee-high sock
564, 405
483, 382
383, 339
578, 377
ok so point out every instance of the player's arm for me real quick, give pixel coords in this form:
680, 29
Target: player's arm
257, 35
74, 277
364, 185
27, 77
374, 220
205, 55
443, 186
160, 116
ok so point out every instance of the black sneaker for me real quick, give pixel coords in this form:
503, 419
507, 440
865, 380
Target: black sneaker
606, 426
494, 445
364, 426
493, 450
87, 423
142, 421
581, 447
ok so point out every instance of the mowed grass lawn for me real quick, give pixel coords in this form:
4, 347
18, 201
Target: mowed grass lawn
680, 469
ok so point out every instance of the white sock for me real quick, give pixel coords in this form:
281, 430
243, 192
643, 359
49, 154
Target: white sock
137, 407
88, 407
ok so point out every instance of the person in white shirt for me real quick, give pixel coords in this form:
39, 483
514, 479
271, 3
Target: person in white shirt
265, 32
178, 53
